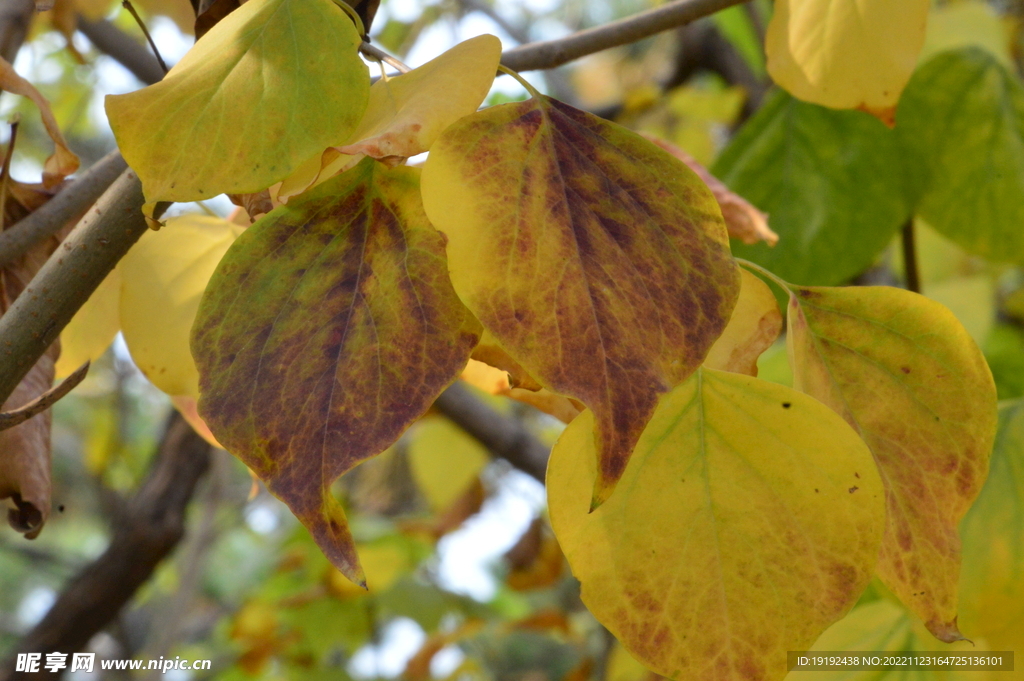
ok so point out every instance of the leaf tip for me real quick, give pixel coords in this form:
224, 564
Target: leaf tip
947, 632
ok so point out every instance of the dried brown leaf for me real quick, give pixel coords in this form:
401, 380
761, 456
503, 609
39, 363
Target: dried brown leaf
63, 162
743, 220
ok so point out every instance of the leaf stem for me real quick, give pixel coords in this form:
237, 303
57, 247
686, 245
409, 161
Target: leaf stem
127, 4
784, 285
522, 81
913, 276
379, 55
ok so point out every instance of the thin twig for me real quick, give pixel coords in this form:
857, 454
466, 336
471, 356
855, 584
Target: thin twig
121, 47
910, 257
551, 53
377, 54
127, 4
9, 419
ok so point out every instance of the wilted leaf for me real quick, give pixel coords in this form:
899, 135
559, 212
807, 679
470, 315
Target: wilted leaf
319, 357
747, 521
898, 368
755, 324
846, 54
25, 448
992, 578
94, 326
63, 162
25, 453
535, 561
831, 181
494, 381
962, 124
162, 280
406, 113
291, 67
744, 221
598, 261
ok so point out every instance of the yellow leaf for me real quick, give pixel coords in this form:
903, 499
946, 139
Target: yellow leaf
444, 461
904, 373
407, 113
755, 324
270, 85
162, 280
747, 521
599, 262
92, 329
178, 11
63, 162
846, 54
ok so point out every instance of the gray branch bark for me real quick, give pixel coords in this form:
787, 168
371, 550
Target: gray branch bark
70, 203
551, 53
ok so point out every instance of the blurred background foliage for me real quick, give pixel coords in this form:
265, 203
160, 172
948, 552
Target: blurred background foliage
466, 580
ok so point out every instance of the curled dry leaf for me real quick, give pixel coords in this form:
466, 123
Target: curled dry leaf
25, 453
743, 220
9, 419
63, 162
25, 448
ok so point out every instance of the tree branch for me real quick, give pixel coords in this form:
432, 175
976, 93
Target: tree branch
115, 43
70, 203
505, 438
68, 278
15, 18
152, 527
551, 53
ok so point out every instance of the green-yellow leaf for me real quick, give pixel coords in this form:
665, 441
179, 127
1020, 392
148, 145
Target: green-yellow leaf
327, 329
992, 579
93, 327
747, 521
906, 375
598, 261
162, 280
444, 461
755, 324
271, 84
846, 54
886, 627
